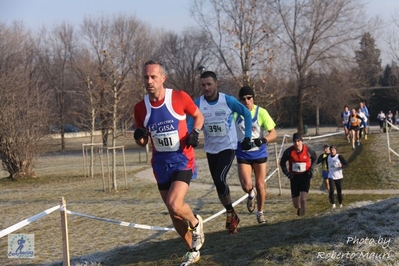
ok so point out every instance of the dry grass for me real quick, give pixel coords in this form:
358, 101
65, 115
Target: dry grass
284, 240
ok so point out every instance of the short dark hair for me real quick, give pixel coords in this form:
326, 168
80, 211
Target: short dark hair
208, 74
297, 136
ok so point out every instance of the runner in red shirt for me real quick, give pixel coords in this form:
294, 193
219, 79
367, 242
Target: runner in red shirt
161, 115
302, 160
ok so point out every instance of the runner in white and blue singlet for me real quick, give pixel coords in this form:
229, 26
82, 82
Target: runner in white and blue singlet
345, 122
220, 138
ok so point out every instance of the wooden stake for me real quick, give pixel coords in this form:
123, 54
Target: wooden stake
278, 169
64, 228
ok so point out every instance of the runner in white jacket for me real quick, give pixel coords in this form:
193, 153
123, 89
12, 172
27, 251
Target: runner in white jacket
335, 163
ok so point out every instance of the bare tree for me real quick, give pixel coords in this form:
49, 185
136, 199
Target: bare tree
118, 48
393, 44
318, 35
185, 56
23, 109
393, 38
56, 48
329, 91
240, 31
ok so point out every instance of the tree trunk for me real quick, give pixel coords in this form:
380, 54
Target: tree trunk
317, 120
300, 108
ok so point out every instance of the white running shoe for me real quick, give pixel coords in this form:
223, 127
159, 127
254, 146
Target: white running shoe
333, 206
340, 205
190, 257
198, 235
261, 218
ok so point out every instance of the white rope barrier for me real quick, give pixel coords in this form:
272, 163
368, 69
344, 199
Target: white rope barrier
25, 222
133, 225
318, 137
237, 201
392, 125
388, 142
394, 152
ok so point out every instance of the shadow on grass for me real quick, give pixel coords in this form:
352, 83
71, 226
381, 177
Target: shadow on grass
366, 230
356, 152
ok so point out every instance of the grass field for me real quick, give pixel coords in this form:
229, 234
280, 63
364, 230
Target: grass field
364, 232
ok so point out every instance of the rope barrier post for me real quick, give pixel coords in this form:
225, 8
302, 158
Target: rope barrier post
84, 160
64, 228
101, 153
278, 170
387, 131
109, 173
124, 165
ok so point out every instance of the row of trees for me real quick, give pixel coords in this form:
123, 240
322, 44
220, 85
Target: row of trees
304, 54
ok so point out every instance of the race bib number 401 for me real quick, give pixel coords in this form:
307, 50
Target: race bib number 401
166, 141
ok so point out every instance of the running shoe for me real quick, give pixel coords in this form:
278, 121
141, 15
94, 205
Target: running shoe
333, 206
190, 257
261, 218
365, 136
353, 147
340, 205
198, 235
298, 211
358, 143
251, 202
232, 222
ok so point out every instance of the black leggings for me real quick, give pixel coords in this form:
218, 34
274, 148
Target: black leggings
335, 184
219, 165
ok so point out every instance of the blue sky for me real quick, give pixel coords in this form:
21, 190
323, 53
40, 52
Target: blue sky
167, 14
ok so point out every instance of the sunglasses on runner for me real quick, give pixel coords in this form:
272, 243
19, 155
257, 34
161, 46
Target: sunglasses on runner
246, 98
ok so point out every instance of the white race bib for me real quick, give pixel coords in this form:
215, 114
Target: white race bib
166, 141
299, 167
215, 129
333, 166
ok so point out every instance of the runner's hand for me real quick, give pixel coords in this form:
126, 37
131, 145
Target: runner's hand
246, 144
309, 173
140, 133
259, 142
290, 175
192, 139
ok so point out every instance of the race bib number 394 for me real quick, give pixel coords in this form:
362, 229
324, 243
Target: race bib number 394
215, 129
